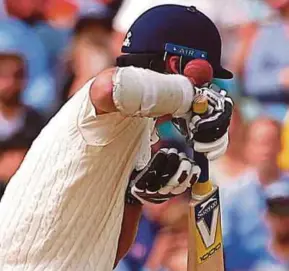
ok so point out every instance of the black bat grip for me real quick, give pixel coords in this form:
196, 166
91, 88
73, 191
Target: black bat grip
202, 161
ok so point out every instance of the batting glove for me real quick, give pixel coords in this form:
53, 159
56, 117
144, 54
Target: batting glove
209, 133
168, 174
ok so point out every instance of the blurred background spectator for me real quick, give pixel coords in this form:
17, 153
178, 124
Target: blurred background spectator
19, 124
48, 49
40, 90
261, 61
90, 50
228, 168
277, 219
30, 10
244, 202
161, 241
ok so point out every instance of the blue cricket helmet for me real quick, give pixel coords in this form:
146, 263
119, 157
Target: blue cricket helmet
176, 30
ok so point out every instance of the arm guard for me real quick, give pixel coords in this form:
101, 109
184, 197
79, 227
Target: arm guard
145, 93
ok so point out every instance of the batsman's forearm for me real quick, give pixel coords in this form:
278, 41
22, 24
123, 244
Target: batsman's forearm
131, 217
140, 92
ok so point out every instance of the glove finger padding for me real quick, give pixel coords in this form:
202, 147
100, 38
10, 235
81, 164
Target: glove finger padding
168, 170
152, 171
181, 177
214, 126
213, 150
163, 178
213, 155
188, 182
211, 146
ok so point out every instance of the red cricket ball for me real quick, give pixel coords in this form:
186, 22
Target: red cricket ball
199, 71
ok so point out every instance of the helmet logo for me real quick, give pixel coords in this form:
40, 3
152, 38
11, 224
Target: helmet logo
127, 41
185, 51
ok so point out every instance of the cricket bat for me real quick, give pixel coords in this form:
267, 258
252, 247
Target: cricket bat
205, 251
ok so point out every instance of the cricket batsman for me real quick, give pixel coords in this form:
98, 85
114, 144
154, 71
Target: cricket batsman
73, 204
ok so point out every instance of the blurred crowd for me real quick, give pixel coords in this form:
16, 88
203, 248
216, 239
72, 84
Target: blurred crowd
48, 49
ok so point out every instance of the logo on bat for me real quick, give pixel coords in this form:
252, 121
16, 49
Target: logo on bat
208, 231
205, 204
207, 215
208, 224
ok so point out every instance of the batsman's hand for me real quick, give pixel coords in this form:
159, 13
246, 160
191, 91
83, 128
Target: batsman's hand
168, 174
208, 133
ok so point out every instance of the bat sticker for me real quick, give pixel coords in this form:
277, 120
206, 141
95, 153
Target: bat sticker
208, 233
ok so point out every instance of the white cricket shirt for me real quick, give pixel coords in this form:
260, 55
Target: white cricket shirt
63, 208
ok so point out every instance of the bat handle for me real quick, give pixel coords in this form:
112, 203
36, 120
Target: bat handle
203, 163
204, 186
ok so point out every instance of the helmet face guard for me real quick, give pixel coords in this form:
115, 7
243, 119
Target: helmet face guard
153, 62
156, 62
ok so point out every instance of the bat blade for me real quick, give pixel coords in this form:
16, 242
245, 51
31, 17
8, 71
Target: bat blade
205, 230
205, 234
